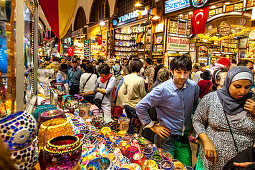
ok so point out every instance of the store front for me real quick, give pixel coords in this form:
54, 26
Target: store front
132, 35
226, 32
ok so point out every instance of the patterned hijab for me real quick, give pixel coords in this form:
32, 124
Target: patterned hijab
230, 105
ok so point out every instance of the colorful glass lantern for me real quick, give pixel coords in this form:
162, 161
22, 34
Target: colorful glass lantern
53, 128
100, 163
18, 130
63, 152
51, 114
27, 157
42, 108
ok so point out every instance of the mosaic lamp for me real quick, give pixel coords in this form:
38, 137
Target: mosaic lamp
53, 128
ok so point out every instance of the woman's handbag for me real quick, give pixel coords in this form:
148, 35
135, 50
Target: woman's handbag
98, 102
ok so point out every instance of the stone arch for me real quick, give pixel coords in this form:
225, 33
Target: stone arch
100, 10
80, 19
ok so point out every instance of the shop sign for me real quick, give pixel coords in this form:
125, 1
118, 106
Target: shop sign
192, 47
177, 44
199, 3
96, 48
77, 32
70, 51
224, 28
86, 48
129, 17
174, 5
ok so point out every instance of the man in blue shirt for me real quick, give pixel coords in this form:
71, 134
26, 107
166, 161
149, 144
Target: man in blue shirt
175, 100
74, 76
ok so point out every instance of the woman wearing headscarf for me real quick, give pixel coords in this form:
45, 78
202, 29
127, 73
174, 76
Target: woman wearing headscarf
223, 122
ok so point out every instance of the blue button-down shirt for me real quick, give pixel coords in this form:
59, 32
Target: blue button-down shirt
174, 107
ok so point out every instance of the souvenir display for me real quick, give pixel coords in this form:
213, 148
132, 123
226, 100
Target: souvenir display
18, 130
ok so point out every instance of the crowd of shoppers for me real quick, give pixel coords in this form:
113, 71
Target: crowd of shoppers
161, 101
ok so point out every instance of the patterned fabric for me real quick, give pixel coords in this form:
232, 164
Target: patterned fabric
209, 118
149, 73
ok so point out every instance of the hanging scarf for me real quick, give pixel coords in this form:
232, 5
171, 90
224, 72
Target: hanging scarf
104, 79
230, 105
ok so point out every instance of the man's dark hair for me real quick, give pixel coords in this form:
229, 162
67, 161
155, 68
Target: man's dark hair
233, 61
206, 75
104, 69
181, 62
159, 60
202, 64
63, 67
56, 59
75, 61
197, 66
89, 68
149, 61
83, 61
100, 61
83, 66
136, 65
69, 58
244, 62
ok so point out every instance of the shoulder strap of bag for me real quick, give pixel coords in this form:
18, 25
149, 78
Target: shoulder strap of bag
205, 87
106, 88
231, 132
87, 81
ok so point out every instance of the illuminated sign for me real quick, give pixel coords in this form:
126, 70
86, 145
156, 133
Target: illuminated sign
174, 5
129, 17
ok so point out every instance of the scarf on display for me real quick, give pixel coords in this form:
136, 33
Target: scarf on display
230, 105
104, 79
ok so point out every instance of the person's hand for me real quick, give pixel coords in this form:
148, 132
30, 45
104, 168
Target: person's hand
161, 131
243, 164
210, 151
250, 106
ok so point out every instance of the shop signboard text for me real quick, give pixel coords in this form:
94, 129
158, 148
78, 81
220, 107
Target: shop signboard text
174, 5
129, 17
177, 44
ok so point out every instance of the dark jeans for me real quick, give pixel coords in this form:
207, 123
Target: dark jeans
177, 146
135, 123
74, 89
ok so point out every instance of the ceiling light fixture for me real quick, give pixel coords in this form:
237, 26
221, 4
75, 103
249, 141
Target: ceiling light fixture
102, 23
155, 17
138, 4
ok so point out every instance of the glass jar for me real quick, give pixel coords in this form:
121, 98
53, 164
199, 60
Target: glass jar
166, 165
138, 158
148, 152
150, 165
131, 151
63, 152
